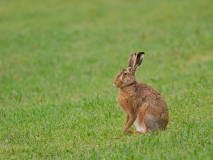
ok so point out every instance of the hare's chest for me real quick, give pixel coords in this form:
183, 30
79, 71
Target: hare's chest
126, 104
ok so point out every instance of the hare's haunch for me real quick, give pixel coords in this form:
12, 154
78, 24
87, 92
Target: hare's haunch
142, 103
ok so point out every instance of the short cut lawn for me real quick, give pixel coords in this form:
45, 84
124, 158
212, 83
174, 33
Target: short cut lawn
58, 60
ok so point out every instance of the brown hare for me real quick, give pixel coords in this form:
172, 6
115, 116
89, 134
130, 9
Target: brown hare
143, 105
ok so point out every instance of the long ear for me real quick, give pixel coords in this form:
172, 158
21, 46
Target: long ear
139, 59
132, 59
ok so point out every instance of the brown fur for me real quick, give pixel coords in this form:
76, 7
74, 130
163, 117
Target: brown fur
132, 59
140, 101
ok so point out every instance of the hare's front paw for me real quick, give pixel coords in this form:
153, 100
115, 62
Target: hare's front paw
130, 132
126, 132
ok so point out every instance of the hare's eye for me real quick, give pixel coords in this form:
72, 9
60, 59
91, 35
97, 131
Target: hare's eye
125, 74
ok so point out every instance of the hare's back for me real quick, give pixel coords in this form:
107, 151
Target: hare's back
150, 95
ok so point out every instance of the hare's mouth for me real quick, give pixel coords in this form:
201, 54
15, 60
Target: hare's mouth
115, 85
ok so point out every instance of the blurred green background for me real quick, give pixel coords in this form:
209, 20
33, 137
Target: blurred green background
58, 60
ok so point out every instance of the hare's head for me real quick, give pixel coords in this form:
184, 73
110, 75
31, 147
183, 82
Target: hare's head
127, 76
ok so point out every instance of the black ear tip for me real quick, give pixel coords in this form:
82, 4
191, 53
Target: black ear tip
141, 53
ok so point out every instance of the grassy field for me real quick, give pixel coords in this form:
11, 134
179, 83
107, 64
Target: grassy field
58, 60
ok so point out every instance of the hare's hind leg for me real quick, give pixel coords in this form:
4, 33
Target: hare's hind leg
139, 122
155, 118
140, 125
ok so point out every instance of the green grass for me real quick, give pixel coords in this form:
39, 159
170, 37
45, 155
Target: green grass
58, 60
